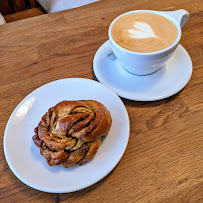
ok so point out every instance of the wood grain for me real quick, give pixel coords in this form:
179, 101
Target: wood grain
163, 161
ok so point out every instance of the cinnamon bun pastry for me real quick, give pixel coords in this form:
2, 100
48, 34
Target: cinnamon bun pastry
70, 132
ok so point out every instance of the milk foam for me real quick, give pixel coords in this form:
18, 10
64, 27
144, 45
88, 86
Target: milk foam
142, 30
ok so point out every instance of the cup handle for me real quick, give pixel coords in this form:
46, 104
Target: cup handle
181, 16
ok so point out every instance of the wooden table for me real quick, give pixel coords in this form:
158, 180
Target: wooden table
164, 158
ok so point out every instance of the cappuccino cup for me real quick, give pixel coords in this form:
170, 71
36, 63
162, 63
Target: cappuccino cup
144, 40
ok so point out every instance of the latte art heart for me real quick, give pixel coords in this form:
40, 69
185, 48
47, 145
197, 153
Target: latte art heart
142, 30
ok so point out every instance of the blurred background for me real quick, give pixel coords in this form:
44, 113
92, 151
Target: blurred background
13, 10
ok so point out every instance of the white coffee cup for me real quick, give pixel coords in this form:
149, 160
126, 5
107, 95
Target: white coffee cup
147, 63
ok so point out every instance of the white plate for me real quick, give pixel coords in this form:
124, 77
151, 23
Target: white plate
162, 84
24, 157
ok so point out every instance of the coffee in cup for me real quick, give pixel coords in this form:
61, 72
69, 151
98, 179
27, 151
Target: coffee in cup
144, 32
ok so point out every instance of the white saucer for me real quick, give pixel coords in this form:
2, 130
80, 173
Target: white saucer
164, 83
24, 157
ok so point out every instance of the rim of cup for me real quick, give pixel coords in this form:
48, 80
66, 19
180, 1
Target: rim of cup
148, 11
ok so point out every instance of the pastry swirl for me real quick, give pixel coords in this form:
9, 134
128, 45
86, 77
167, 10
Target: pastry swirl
70, 132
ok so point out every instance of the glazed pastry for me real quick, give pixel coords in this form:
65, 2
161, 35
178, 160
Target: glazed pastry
70, 132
